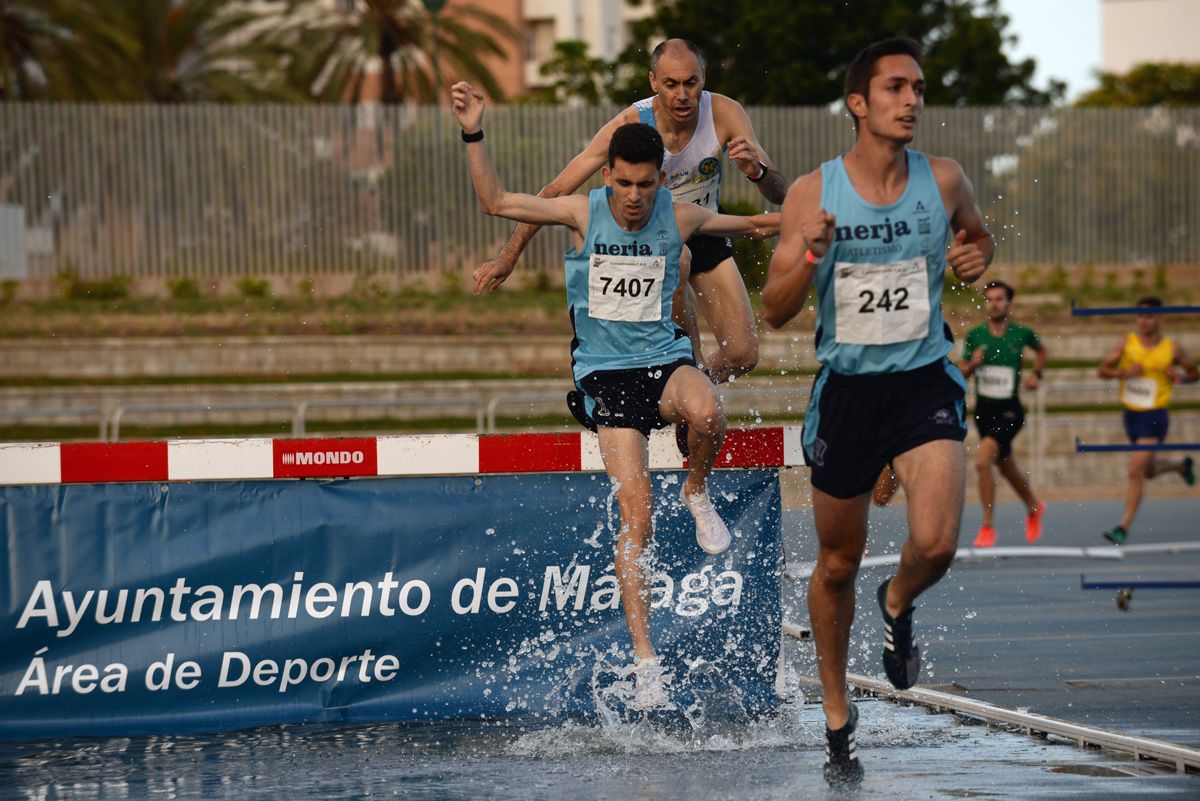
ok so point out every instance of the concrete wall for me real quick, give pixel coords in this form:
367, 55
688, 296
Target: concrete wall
312, 355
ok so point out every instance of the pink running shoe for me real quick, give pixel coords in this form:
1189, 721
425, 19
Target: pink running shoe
1033, 523
986, 537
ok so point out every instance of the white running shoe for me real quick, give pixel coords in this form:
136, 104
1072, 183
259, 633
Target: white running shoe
649, 685
711, 533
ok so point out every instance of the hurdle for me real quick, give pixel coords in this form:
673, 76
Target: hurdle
1081, 447
1084, 584
234, 583
1125, 588
1111, 311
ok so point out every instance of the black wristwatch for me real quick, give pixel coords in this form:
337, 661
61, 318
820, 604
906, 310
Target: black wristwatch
761, 175
472, 137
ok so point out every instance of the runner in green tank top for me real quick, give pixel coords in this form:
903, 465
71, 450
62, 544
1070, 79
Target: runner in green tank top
992, 354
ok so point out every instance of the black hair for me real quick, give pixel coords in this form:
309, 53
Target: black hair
1008, 290
1150, 300
667, 44
636, 143
862, 68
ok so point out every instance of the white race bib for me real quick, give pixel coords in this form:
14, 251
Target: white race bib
881, 304
702, 192
995, 381
626, 289
1139, 393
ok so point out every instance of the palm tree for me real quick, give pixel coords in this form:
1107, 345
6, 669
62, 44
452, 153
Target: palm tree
174, 51
337, 51
41, 55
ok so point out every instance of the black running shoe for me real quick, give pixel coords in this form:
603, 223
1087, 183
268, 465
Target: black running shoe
579, 410
1189, 471
681, 434
842, 767
901, 659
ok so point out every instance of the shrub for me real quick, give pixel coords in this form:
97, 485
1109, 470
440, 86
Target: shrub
72, 287
1059, 281
1160, 279
251, 288
183, 288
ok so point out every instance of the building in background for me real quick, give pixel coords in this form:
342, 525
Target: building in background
605, 25
1137, 31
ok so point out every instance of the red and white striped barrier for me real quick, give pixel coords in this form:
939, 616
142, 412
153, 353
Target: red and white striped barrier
435, 454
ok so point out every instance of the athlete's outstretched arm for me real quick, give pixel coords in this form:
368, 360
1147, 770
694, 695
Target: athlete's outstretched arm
805, 228
973, 247
496, 201
744, 149
693, 219
493, 272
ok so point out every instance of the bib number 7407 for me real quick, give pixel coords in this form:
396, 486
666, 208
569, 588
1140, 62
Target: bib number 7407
626, 288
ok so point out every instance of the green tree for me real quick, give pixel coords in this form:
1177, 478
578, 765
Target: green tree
139, 50
781, 52
1160, 84
335, 53
41, 56
170, 51
577, 76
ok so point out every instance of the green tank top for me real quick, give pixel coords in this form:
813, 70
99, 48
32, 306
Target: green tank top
999, 377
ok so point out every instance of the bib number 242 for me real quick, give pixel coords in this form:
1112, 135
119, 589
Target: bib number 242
889, 300
881, 304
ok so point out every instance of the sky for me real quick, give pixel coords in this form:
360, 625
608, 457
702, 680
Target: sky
1062, 36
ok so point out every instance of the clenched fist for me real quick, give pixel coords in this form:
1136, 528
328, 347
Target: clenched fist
965, 258
818, 231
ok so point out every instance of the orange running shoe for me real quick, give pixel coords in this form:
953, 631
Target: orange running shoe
1033, 523
986, 538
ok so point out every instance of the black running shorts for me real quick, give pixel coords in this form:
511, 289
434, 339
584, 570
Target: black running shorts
856, 424
629, 398
708, 252
1000, 420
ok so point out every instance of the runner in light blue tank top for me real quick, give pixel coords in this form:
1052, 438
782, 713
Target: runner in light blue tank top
628, 357
870, 229
622, 319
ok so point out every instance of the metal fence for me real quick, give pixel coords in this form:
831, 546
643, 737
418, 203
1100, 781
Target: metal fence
209, 191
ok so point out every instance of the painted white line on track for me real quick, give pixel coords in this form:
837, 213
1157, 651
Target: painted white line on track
804, 569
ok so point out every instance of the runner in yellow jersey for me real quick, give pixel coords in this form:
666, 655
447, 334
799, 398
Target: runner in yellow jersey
1148, 365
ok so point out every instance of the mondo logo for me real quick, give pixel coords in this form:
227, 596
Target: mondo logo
323, 457
300, 458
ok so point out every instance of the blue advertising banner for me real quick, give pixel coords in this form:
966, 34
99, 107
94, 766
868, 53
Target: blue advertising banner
147, 607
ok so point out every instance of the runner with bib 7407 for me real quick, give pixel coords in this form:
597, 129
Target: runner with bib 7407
632, 363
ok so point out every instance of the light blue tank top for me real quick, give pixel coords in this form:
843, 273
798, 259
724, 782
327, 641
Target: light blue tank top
879, 289
619, 289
